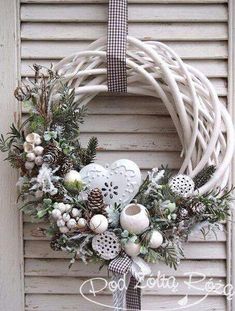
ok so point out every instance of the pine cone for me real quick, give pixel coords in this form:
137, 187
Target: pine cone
198, 208
51, 154
66, 164
183, 214
54, 244
203, 176
95, 201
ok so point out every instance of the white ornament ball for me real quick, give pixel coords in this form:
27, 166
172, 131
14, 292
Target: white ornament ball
64, 229
66, 217
182, 185
61, 207
71, 223
81, 223
30, 156
73, 181
38, 160
156, 239
132, 249
75, 212
38, 150
99, 223
60, 223
134, 218
38, 141
33, 138
28, 147
29, 165
56, 213
67, 207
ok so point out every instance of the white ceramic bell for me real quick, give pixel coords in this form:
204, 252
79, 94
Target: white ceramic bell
134, 218
132, 249
156, 239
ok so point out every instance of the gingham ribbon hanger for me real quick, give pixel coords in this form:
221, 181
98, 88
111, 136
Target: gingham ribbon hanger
116, 46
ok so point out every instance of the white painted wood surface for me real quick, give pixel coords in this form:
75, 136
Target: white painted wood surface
11, 247
132, 127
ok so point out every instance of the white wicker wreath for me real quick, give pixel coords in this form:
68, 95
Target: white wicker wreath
203, 124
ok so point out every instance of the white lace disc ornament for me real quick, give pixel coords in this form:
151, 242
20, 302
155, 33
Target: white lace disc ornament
106, 245
182, 185
119, 183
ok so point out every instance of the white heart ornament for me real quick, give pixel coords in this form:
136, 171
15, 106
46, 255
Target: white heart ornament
119, 183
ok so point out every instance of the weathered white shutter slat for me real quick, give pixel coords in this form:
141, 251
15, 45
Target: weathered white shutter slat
132, 127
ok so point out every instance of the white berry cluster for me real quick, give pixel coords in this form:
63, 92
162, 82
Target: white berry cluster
33, 150
67, 217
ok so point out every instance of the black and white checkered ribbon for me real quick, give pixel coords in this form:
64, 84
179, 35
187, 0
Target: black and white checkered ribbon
116, 46
125, 299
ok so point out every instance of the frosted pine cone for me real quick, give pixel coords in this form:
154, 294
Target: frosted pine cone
66, 165
183, 214
95, 201
51, 154
198, 208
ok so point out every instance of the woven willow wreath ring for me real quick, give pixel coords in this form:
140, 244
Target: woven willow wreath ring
203, 124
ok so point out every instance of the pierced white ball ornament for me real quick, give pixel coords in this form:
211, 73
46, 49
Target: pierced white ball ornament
29, 165
64, 229
156, 239
30, 156
81, 223
98, 223
182, 185
134, 218
132, 249
106, 245
71, 223
56, 213
38, 150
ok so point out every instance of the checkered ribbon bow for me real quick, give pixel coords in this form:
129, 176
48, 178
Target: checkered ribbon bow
116, 46
127, 294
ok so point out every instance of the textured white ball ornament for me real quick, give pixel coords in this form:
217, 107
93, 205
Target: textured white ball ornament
107, 245
56, 213
61, 207
29, 165
66, 217
30, 156
81, 223
75, 212
99, 223
38, 160
182, 185
132, 249
73, 181
119, 183
134, 218
33, 138
64, 229
28, 147
38, 150
60, 223
156, 239
71, 223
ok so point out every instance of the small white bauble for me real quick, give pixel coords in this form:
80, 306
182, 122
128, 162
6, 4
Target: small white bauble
68, 207
38, 141
81, 223
60, 223
29, 165
32, 138
132, 249
38, 160
64, 229
66, 217
56, 213
38, 150
99, 223
75, 212
28, 147
156, 239
71, 223
73, 181
61, 207
30, 156
134, 218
